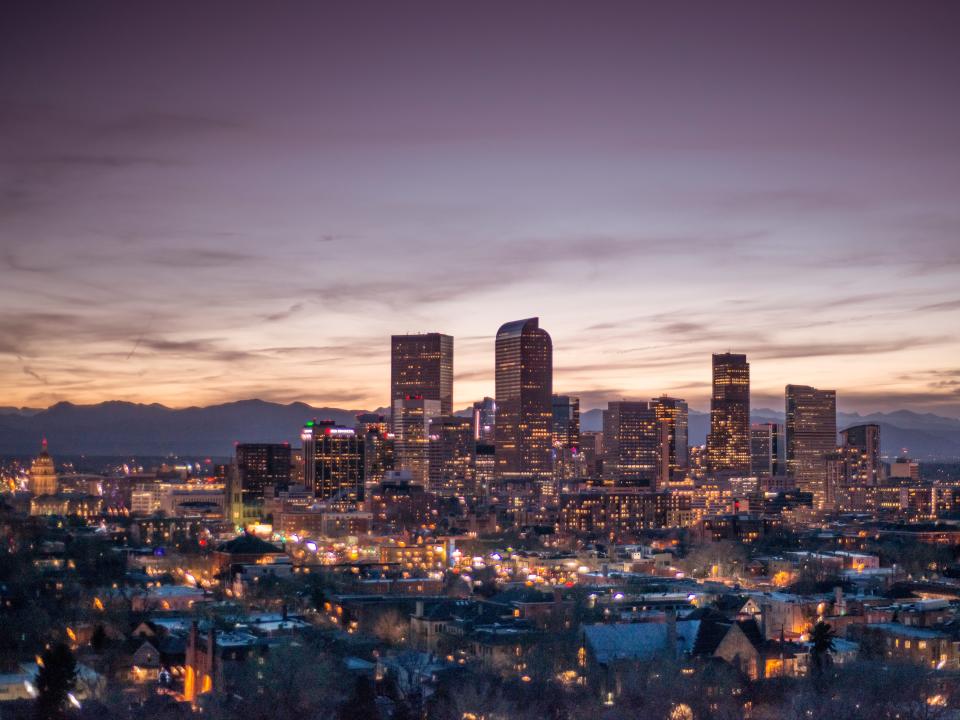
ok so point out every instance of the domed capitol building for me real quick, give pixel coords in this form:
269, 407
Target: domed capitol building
43, 474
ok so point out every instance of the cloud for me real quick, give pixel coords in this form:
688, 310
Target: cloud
35, 375
164, 125
824, 349
208, 349
284, 314
183, 257
940, 306
85, 161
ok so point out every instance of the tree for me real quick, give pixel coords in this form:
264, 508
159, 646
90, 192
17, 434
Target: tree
391, 627
99, 638
822, 636
56, 678
362, 705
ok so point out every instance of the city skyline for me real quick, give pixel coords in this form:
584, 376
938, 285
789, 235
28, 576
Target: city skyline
201, 223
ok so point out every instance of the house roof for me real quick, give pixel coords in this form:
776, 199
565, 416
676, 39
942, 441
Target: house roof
638, 641
713, 631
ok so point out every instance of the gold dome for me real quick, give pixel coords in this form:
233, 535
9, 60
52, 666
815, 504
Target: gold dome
43, 473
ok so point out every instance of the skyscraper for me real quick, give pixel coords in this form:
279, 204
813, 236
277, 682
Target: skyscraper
811, 435
566, 421
338, 461
411, 430
309, 450
451, 456
767, 453
261, 465
728, 443
635, 445
673, 413
484, 420
378, 455
421, 366
860, 449
524, 386
567, 461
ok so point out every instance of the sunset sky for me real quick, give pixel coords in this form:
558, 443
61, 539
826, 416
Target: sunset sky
204, 202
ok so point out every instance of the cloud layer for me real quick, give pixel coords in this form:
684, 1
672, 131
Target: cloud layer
193, 212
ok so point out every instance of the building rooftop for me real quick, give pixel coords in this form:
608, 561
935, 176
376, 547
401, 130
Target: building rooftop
640, 641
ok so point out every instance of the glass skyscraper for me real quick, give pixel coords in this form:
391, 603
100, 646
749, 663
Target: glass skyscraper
728, 443
524, 388
811, 436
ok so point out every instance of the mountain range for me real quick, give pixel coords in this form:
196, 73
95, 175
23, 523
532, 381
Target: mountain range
923, 436
122, 428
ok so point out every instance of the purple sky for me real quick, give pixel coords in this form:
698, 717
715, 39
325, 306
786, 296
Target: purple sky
203, 202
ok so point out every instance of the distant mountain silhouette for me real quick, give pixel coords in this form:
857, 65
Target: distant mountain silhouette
121, 428
920, 435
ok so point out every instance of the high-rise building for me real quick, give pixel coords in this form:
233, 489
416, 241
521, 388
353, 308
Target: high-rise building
338, 461
635, 445
673, 413
767, 452
421, 366
566, 421
728, 443
860, 448
451, 456
43, 473
591, 448
484, 420
233, 495
567, 461
378, 455
309, 450
411, 429
484, 469
263, 465
811, 434
524, 387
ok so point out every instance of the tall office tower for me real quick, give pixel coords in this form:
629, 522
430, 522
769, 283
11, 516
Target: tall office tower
296, 466
566, 421
811, 434
233, 495
767, 453
484, 420
860, 448
484, 470
524, 387
411, 430
309, 450
378, 454
421, 366
728, 443
372, 421
635, 445
451, 452
591, 448
674, 414
338, 461
567, 460
262, 465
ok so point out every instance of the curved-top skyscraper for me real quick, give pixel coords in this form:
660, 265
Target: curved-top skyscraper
524, 390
